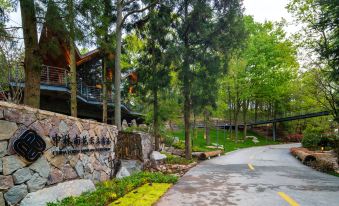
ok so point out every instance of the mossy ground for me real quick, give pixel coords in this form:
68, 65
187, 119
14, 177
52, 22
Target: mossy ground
145, 195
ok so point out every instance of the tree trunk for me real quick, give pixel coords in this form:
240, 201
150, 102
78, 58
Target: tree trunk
256, 111
245, 108
187, 112
32, 57
107, 13
104, 90
156, 118
117, 72
186, 85
194, 126
236, 125
73, 71
230, 109
207, 127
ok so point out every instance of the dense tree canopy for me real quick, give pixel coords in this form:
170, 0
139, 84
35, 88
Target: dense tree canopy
190, 59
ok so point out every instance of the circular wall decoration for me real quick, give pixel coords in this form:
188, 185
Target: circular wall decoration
29, 145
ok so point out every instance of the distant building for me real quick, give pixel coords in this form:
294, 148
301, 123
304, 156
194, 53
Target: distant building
55, 88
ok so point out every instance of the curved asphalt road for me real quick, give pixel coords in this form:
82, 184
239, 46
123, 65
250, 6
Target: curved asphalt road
273, 178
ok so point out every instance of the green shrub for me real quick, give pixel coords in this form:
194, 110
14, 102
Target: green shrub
336, 147
107, 192
174, 159
179, 145
312, 137
168, 140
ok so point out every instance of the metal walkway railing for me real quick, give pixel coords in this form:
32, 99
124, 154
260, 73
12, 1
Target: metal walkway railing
55, 76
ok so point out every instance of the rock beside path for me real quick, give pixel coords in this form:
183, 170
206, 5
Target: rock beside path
57, 192
157, 156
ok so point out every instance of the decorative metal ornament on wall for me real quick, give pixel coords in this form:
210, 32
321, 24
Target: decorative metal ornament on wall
29, 145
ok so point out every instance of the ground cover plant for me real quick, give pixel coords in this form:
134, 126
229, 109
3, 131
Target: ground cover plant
174, 159
109, 191
145, 195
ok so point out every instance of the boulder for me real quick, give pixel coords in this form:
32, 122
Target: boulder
129, 167
57, 192
63, 128
55, 160
27, 118
124, 124
69, 172
146, 144
89, 168
134, 123
7, 129
96, 176
11, 164
123, 172
55, 176
2, 200
104, 176
3, 148
22, 175
176, 140
6, 182
36, 183
156, 156
41, 166
16, 194
255, 140
79, 168
132, 166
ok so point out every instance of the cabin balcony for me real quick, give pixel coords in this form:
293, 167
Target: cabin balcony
55, 95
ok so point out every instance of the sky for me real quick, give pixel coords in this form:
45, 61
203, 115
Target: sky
271, 10
261, 10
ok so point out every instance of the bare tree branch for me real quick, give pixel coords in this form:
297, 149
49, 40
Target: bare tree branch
138, 11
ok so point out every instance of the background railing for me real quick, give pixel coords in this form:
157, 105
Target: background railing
60, 77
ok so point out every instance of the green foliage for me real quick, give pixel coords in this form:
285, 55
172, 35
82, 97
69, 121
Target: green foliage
263, 73
336, 147
109, 191
174, 159
145, 195
312, 137
319, 36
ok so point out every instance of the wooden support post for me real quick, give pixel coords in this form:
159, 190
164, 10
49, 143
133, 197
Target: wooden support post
47, 71
274, 127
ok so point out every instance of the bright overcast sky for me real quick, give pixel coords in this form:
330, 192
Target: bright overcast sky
271, 10
261, 10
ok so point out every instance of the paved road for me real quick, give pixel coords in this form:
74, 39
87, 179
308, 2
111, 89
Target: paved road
262, 176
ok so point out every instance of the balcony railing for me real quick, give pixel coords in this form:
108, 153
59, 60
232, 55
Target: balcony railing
60, 77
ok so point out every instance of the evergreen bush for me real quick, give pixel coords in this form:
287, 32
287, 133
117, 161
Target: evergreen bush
312, 137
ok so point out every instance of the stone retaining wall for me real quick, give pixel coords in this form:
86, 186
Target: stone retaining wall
18, 177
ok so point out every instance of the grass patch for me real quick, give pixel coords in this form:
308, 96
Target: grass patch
145, 195
109, 191
334, 174
174, 159
222, 138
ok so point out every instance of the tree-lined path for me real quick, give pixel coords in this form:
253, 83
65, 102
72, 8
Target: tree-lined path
255, 176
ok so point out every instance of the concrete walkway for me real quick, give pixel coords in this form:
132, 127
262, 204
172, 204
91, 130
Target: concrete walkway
255, 176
